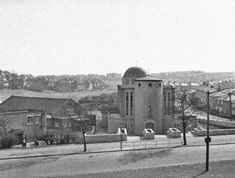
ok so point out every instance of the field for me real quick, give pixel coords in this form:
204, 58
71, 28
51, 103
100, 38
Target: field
4, 94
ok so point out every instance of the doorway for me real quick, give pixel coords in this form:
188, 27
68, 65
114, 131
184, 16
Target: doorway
19, 138
149, 125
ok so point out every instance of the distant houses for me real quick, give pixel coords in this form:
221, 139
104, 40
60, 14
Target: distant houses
63, 83
220, 104
219, 100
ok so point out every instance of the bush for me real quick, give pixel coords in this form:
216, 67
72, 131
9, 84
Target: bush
7, 141
47, 138
73, 138
55, 137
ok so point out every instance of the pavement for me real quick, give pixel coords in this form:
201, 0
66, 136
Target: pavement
133, 143
112, 162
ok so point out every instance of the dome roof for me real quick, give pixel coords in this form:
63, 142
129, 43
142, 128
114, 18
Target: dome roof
135, 72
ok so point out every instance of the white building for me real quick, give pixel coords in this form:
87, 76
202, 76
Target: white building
143, 102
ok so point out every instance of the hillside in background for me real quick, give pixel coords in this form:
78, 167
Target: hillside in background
77, 86
195, 76
61, 83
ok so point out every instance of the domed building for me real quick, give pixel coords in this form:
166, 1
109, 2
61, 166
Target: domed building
132, 74
143, 102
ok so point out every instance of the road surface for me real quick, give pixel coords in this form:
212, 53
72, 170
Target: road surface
100, 163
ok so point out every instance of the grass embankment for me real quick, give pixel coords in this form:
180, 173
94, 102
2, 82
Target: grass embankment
220, 169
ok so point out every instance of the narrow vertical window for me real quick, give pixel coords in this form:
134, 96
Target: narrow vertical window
164, 103
131, 103
133, 81
169, 103
127, 103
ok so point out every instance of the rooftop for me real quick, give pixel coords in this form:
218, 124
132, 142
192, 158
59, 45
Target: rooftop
110, 109
148, 78
134, 72
52, 106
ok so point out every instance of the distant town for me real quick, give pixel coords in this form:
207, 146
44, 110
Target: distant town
74, 83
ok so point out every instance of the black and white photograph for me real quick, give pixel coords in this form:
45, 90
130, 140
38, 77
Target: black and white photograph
117, 88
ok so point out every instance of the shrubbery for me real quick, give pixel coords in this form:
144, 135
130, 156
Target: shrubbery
7, 141
58, 138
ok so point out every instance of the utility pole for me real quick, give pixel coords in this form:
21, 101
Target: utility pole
84, 134
207, 139
230, 105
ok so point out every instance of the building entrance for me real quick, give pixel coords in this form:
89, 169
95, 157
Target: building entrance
149, 125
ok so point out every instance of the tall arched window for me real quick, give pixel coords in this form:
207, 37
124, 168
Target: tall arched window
129, 103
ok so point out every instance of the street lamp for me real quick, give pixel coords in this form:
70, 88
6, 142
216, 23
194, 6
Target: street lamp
208, 139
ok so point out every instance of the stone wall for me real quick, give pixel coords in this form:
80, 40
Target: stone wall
214, 132
222, 123
102, 138
115, 123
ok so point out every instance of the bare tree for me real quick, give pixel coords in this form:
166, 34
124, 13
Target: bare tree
80, 114
186, 107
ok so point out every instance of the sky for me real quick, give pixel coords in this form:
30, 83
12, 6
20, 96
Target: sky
102, 36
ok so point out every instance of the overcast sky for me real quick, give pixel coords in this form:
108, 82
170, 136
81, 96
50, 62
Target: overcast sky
102, 36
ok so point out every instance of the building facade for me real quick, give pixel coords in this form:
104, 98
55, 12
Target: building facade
143, 102
31, 116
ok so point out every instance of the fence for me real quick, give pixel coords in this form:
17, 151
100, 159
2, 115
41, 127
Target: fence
174, 142
133, 143
150, 144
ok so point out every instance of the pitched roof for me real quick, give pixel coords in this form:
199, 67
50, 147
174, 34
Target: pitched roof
222, 97
232, 98
218, 94
49, 105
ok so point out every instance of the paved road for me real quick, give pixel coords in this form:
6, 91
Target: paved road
133, 144
111, 161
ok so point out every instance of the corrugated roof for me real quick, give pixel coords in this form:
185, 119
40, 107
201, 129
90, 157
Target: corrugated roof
49, 105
